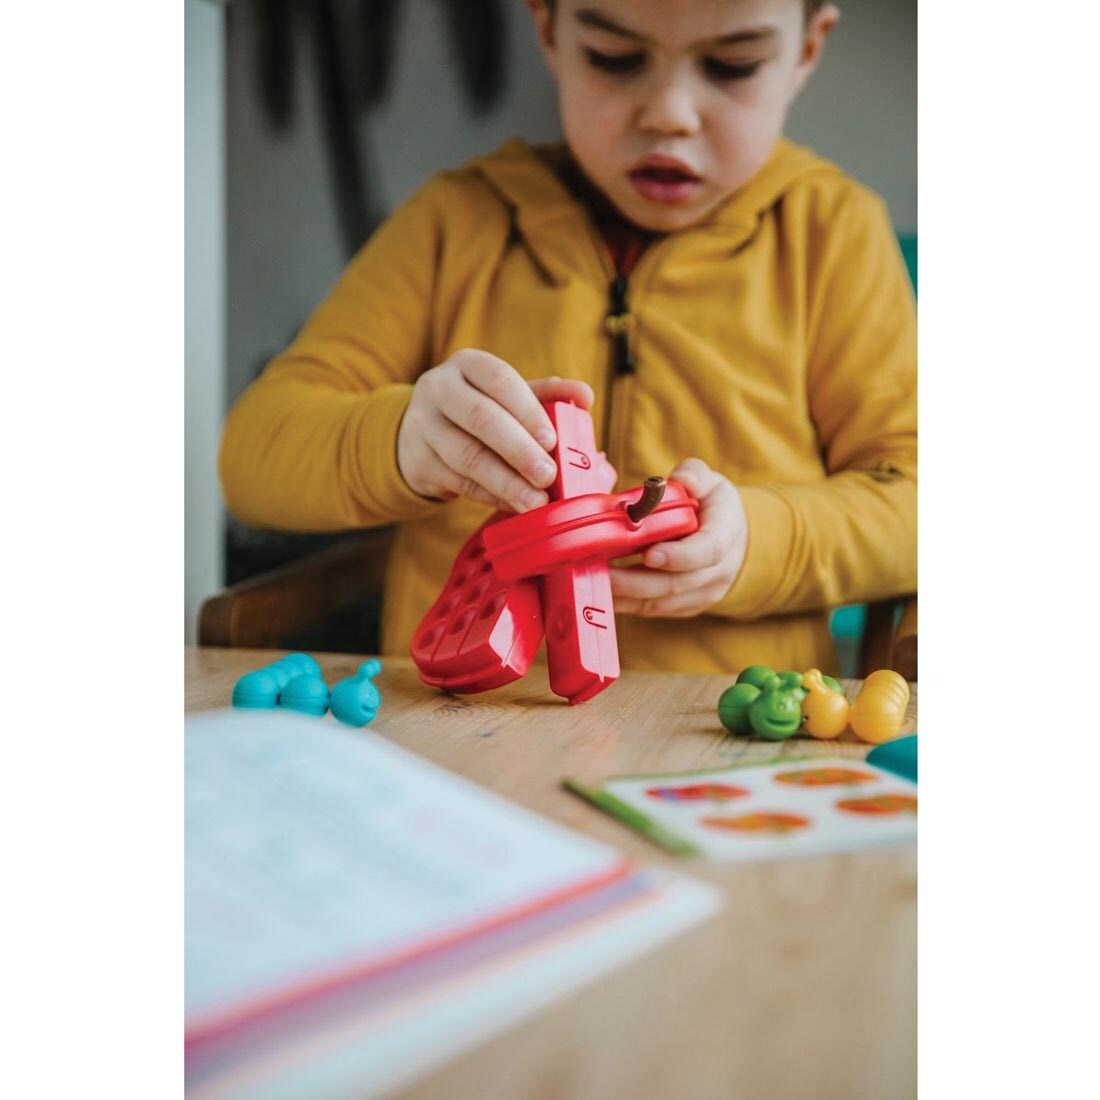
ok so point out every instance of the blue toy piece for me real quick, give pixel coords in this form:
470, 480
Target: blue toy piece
306, 693
260, 689
303, 662
355, 701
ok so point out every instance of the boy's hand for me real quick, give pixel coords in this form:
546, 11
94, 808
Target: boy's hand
475, 428
684, 578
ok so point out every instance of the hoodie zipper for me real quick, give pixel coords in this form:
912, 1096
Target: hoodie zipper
618, 323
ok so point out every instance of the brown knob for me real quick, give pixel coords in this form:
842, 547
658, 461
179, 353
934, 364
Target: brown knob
652, 491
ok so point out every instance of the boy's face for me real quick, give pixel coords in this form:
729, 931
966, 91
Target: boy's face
671, 105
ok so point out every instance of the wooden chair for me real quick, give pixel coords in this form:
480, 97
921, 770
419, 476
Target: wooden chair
890, 638
305, 604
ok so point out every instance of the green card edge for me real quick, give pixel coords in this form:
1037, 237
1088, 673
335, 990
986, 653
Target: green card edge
633, 819
730, 767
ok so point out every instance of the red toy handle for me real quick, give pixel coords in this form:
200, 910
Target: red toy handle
582, 651
591, 528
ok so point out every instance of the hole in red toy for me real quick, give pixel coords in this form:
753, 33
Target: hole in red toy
428, 639
461, 622
493, 606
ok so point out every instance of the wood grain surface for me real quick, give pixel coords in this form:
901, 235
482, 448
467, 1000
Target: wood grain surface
804, 985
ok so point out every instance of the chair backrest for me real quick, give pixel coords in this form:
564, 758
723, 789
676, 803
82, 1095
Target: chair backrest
329, 600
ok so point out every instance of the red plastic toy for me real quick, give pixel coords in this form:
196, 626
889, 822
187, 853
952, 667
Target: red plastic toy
582, 652
547, 568
596, 527
480, 633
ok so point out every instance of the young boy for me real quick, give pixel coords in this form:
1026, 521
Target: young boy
732, 309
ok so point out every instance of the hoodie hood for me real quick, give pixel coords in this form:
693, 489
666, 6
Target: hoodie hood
529, 180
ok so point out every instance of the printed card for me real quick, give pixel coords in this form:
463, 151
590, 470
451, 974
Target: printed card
763, 811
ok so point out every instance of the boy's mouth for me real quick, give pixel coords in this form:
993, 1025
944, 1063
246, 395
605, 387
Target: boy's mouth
664, 179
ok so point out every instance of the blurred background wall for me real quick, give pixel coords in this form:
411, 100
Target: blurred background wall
286, 228
204, 301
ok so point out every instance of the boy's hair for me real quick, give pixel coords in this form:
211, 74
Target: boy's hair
808, 6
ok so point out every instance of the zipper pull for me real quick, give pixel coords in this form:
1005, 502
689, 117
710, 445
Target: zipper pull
618, 323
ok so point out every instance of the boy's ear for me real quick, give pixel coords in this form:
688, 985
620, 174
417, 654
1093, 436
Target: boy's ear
813, 42
544, 29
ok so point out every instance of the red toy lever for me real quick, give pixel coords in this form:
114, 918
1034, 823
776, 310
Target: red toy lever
582, 652
596, 527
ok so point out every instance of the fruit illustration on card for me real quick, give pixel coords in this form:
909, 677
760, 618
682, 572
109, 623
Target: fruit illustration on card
762, 823
699, 792
879, 805
824, 777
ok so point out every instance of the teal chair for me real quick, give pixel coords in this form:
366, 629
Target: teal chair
908, 244
848, 625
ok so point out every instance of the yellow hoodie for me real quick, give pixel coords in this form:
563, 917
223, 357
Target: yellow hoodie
776, 341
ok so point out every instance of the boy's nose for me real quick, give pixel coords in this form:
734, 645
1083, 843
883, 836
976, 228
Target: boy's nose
670, 109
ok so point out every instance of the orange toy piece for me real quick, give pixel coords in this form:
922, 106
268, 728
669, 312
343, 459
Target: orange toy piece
824, 711
879, 709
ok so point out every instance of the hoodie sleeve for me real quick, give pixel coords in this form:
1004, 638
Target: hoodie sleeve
311, 445
853, 536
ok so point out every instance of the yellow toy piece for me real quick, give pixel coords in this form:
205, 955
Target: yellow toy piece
824, 711
879, 709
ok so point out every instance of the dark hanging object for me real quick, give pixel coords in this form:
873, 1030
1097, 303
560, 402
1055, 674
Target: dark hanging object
353, 46
477, 29
377, 31
276, 61
338, 118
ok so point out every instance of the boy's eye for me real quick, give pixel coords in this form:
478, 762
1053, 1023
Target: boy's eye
730, 70
615, 62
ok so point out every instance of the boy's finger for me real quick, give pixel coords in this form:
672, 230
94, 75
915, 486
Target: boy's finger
507, 387
721, 523
671, 607
473, 465
640, 583
698, 551
483, 419
696, 476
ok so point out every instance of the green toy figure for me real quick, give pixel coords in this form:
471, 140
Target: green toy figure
757, 675
733, 707
792, 681
777, 713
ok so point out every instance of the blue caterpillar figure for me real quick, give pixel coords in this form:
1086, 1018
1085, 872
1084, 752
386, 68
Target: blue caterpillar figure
355, 701
263, 688
295, 682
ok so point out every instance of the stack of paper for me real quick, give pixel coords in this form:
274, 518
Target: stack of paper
355, 914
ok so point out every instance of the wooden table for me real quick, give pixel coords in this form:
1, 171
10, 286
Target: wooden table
803, 986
